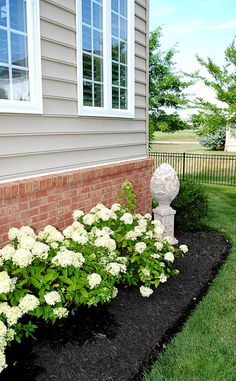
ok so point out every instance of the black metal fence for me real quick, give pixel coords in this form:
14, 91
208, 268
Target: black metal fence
214, 169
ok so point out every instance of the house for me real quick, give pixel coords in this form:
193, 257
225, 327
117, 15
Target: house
73, 107
230, 142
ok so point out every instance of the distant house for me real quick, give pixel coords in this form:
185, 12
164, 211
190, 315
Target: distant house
73, 107
230, 142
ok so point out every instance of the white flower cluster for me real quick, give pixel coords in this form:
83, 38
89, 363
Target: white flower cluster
105, 241
22, 257
140, 247
145, 291
77, 233
40, 250
65, 257
28, 303
94, 280
77, 214
50, 234
163, 278
19, 234
183, 248
168, 239
6, 253
158, 229
146, 272
52, 298
7, 284
169, 257
127, 218
155, 256
28, 248
115, 207
89, 219
6, 335
140, 228
61, 312
115, 268
158, 245
103, 213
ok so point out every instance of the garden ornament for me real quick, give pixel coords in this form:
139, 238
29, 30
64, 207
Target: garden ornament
164, 189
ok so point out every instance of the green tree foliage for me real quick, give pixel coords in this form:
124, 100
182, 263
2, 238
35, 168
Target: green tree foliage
222, 80
166, 88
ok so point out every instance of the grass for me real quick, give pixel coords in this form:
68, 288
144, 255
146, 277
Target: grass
178, 143
185, 135
205, 350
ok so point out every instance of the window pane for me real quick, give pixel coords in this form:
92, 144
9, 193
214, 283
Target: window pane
115, 97
97, 16
20, 81
115, 25
123, 52
97, 43
88, 93
123, 75
3, 47
123, 99
87, 66
123, 8
123, 29
3, 13
115, 74
19, 54
18, 15
98, 69
115, 49
4, 83
86, 11
87, 39
114, 5
98, 95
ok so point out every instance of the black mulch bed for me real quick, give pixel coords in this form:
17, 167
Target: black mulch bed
116, 341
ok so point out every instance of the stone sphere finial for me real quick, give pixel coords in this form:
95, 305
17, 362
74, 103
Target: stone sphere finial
164, 189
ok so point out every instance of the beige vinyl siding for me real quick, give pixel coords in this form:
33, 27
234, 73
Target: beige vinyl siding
60, 139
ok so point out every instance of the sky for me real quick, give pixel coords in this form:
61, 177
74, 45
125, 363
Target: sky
203, 27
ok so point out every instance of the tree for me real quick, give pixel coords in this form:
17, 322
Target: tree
211, 118
166, 88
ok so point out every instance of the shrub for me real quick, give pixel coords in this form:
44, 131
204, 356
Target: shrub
48, 275
214, 140
191, 205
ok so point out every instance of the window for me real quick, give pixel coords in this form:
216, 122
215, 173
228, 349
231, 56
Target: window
20, 75
106, 57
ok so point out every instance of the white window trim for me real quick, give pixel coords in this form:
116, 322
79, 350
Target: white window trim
34, 105
107, 110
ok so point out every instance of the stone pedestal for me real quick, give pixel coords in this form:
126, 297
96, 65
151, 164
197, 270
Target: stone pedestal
164, 188
166, 217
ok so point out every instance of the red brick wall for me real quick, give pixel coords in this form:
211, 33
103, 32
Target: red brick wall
51, 199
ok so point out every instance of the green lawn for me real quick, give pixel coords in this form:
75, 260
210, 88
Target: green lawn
175, 145
185, 135
205, 350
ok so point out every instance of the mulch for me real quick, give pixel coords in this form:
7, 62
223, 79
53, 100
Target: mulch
115, 342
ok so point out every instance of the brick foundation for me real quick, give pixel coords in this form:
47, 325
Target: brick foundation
51, 199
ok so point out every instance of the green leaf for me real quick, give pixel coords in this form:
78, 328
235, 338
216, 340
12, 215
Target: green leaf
50, 276
66, 280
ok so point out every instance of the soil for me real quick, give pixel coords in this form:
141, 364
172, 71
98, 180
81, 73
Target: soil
115, 342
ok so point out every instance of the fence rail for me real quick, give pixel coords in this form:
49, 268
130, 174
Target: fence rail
202, 168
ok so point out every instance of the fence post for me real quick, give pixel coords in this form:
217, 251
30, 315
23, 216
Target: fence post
183, 165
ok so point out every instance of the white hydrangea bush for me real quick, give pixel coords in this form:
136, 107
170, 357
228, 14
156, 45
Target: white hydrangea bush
48, 275
148, 252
